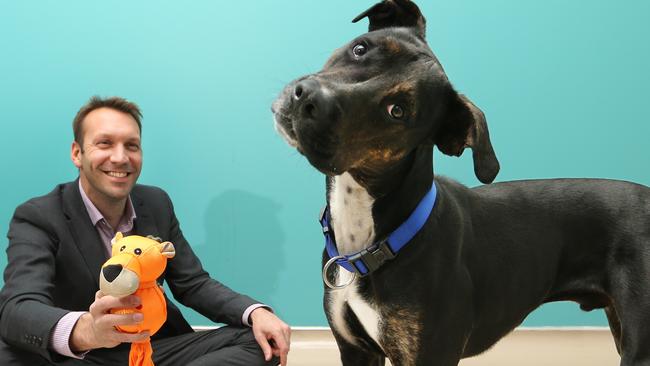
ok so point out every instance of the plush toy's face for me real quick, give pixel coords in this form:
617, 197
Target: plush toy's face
135, 259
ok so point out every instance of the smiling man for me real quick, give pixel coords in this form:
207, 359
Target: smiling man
51, 311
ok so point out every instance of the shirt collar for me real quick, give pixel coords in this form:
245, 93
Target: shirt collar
96, 215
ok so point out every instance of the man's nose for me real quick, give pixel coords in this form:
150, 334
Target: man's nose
119, 155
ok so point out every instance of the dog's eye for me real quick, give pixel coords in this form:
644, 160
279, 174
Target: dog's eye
359, 50
122, 248
395, 111
137, 251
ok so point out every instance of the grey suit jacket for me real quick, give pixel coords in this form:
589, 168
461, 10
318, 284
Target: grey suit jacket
55, 255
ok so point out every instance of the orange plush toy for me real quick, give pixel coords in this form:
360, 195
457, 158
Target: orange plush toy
135, 265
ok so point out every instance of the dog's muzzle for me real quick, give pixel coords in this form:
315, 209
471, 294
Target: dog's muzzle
308, 116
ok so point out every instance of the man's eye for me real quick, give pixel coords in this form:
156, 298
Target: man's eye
103, 143
359, 50
133, 147
396, 111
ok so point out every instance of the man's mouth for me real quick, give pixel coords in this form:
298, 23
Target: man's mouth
116, 174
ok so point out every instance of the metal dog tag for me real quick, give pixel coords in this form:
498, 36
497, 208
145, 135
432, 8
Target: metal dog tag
327, 281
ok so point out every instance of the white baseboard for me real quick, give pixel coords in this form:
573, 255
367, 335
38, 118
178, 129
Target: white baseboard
530, 346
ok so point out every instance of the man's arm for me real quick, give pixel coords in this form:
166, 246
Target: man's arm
96, 328
27, 314
79, 332
272, 334
60, 339
192, 285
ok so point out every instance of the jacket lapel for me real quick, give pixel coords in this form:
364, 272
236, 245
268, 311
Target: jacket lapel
144, 222
84, 233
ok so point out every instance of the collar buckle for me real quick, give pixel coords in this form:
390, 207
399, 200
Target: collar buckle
371, 258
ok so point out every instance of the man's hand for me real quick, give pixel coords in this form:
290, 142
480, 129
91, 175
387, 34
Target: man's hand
96, 329
268, 327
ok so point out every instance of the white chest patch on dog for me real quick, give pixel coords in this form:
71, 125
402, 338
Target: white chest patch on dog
351, 211
354, 230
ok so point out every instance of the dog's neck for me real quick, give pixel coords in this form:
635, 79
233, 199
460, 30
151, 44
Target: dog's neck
368, 203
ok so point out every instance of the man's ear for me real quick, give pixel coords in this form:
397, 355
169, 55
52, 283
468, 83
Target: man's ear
464, 126
394, 13
75, 154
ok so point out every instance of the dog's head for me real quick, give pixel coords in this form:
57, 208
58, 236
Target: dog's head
134, 259
380, 97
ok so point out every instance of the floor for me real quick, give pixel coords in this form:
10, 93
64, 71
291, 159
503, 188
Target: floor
530, 347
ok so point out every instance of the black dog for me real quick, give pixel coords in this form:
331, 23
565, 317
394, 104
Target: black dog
464, 273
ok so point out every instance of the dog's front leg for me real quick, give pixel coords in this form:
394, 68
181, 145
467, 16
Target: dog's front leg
356, 349
440, 347
434, 332
354, 356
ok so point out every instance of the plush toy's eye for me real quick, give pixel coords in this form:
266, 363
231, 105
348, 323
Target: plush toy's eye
122, 248
137, 251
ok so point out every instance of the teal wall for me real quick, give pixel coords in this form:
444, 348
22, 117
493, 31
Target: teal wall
564, 86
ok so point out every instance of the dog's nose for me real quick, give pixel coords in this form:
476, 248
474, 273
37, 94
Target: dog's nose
111, 271
312, 100
298, 91
304, 93
304, 89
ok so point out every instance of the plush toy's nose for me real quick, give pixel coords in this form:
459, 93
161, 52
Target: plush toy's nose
111, 271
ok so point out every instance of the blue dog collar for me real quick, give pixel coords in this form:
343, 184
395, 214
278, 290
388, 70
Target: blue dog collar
371, 258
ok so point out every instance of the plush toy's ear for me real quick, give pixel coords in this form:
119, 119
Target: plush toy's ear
118, 236
465, 126
394, 13
167, 249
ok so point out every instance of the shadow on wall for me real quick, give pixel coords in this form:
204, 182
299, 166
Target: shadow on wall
245, 244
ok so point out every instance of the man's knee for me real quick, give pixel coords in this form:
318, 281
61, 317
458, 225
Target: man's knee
250, 337
12, 356
246, 336
229, 346
246, 339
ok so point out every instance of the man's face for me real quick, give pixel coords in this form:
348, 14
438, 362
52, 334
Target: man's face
110, 159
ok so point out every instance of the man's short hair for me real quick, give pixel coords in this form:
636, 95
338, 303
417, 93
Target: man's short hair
96, 102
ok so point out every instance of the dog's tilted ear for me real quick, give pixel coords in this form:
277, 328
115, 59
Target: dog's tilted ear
465, 126
394, 13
